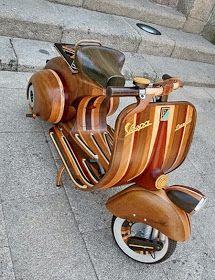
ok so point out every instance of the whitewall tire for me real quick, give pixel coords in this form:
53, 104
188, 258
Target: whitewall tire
122, 230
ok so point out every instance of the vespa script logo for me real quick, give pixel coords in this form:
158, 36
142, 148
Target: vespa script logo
131, 128
179, 126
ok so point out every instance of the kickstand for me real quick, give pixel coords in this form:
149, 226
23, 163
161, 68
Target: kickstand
59, 176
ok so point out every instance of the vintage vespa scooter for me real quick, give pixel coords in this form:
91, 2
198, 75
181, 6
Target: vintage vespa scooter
76, 92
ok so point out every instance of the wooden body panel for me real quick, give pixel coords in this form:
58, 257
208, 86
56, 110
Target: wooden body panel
153, 208
145, 145
159, 143
76, 85
101, 64
48, 95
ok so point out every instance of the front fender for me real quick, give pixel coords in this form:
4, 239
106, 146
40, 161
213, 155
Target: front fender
153, 208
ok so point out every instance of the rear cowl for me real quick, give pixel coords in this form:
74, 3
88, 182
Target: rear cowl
45, 94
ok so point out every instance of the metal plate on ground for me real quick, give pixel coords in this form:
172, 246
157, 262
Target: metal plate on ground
148, 29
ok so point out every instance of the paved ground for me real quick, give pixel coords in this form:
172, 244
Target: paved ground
43, 20
18, 54
59, 234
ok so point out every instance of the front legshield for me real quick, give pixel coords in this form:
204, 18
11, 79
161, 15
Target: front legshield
153, 208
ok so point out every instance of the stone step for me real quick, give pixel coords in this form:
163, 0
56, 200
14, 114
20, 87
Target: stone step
18, 54
43, 20
143, 10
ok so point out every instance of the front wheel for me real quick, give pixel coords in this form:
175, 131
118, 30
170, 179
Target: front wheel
141, 242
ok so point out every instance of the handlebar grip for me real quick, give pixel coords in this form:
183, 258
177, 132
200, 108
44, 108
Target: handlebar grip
166, 77
122, 91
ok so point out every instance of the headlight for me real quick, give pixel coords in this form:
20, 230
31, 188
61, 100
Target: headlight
188, 199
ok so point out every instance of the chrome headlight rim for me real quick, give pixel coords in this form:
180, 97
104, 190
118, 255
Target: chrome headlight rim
200, 205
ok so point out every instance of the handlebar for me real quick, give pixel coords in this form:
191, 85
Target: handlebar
161, 88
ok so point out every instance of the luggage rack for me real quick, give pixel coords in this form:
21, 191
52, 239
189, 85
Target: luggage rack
67, 51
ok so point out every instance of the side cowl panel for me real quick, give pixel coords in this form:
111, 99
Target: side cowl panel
153, 208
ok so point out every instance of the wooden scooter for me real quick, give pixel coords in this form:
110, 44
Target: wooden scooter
76, 92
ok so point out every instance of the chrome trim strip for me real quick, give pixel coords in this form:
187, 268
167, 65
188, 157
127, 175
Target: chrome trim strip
81, 141
75, 161
200, 204
98, 147
65, 164
107, 142
90, 173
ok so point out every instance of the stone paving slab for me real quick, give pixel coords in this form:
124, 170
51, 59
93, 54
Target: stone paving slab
210, 91
46, 127
111, 263
14, 109
82, 205
160, 45
191, 72
111, 30
191, 46
6, 265
24, 176
196, 268
77, 3
138, 9
206, 231
32, 55
14, 80
28, 50
186, 263
8, 60
200, 97
202, 150
44, 240
26, 19
185, 174
3, 233
134, 66
27, 145
44, 20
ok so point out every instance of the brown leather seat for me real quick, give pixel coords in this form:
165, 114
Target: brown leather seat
101, 64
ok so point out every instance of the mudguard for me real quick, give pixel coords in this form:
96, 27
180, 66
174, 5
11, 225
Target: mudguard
153, 208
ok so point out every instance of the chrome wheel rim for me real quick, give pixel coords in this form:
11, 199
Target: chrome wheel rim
122, 230
31, 96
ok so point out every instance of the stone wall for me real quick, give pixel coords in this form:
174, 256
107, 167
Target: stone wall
171, 3
200, 15
198, 12
209, 29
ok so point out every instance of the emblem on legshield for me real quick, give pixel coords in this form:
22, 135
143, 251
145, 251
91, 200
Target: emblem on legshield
164, 114
131, 128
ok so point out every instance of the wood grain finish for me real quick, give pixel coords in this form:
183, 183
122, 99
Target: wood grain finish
153, 208
77, 92
47, 93
76, 86
101, 64
144, 136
